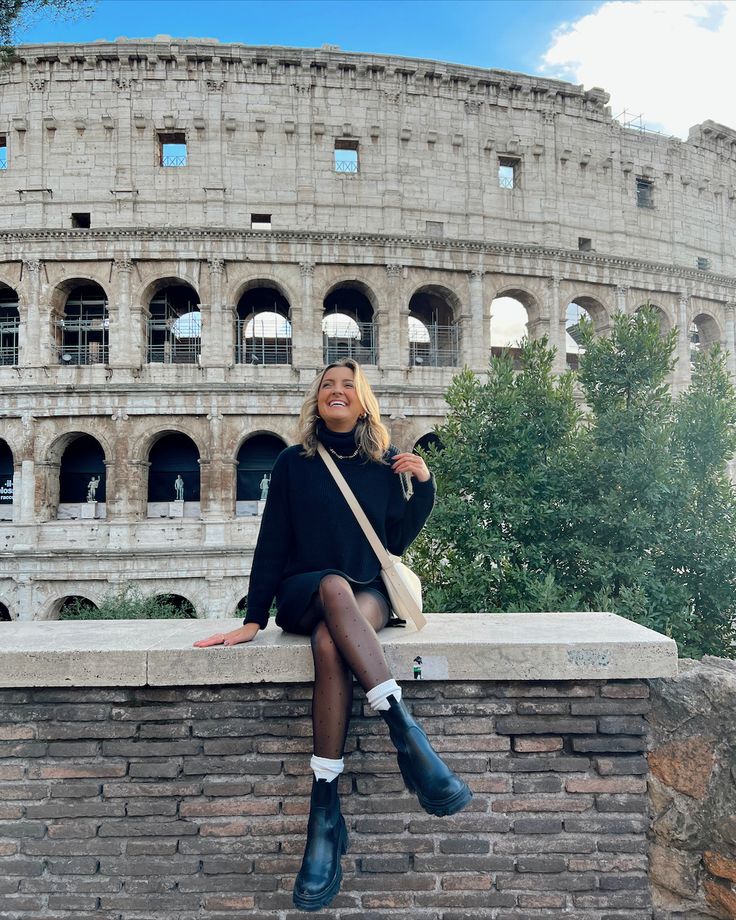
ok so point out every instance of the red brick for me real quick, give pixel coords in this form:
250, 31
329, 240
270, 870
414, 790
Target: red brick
16, 732
70, 771
226, 829
387, 901
11, 771
548, 804
227, 807
614, 784
8, 848
467, 882
542, 900
621, 691
241, 902
537, 745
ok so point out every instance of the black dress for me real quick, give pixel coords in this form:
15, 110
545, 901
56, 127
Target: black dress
308, 530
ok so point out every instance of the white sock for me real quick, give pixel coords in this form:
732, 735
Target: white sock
324, 768
378, 696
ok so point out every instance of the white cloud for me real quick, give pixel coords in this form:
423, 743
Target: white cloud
671, 60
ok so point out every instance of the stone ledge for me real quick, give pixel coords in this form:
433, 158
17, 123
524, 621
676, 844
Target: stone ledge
453, 646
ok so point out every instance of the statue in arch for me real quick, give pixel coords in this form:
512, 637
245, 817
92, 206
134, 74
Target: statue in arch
92, 488
179, 488
264, 484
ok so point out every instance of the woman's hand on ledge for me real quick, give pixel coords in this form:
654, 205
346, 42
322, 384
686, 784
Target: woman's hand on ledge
244, 633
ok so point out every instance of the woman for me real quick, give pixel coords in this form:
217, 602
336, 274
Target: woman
313, 558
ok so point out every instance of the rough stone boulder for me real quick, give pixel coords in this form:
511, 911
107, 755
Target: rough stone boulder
692, 792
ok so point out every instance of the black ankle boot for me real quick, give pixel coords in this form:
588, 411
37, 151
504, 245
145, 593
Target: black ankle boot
319, 878
439, 790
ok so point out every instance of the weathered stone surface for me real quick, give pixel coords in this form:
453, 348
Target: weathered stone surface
692, 793
685, 765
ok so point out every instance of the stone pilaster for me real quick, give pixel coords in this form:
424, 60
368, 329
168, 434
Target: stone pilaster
392, 321
124, 342
306, 325
30, 344
475, 332
556, 329
683, 373
729, 314
218, 335
622, 292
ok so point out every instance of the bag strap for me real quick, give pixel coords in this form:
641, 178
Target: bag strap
378, 548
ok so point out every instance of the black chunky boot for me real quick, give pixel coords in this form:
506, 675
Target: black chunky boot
320, 876
439, 790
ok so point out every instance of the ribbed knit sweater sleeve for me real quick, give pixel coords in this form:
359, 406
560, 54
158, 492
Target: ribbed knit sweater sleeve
272, 548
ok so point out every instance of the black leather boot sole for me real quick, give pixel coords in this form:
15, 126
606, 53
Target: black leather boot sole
320, 876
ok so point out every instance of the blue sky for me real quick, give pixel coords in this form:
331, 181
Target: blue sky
505, 34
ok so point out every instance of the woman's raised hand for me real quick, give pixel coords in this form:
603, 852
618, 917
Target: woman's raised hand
244, 633
411, 464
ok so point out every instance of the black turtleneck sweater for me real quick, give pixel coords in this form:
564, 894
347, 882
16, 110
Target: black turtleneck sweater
307, 525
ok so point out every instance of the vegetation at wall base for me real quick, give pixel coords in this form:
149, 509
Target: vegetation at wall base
626, 507
127, 604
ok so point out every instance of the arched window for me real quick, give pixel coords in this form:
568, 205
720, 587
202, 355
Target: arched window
348, 327
434, 339
82, 329
509, 324
263, 333
573, 340
6, 482
175, 326
173, 473
428, 440
74, 607
177, 605
81, 474
703, 334
256, 458
9, 325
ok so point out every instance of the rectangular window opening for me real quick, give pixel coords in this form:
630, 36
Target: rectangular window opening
346, 156
585, 244
172, 146
509, 169
81, 220
644, 193
3, 152
703, 263
435, 228
260, 221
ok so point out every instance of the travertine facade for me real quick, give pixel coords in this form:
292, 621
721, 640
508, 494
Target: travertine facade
138, 181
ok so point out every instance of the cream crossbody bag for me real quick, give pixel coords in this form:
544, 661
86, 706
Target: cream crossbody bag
403, 586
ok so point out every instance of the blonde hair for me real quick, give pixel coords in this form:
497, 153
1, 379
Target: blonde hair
371, 435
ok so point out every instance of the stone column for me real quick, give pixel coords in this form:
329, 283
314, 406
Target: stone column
476, 346
122, 341
622, 291
47, 490
213, 487
217, 334
306, 326
24, 481
393, 337
556, 325
729, 313
30, 326
683, 373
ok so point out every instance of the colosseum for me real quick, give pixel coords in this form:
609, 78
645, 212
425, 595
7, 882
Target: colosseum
190, 229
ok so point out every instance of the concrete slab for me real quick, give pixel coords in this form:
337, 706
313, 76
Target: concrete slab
457, 646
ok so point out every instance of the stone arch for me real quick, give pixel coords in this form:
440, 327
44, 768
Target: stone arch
263, 333
51, 448
434, 328
173, 320
82, 461
255, 458
665, 321
171, 456
427, 440
703, 333
9, 325
188, 608
81, 322
579, 307
5, 615
263, 280
529, 298
149, 437
57, 606
348, 323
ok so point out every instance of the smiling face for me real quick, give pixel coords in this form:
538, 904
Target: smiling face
337, 402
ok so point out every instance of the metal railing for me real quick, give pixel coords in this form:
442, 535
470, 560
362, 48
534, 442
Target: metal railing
164, 347
346, 166
363, 346
441, 350
261, 349
173, 161
9, 341
506, 182
89, 353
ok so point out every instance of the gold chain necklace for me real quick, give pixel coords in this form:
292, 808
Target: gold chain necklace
344, 456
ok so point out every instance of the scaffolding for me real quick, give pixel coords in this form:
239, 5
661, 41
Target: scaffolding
82, 333
174, 332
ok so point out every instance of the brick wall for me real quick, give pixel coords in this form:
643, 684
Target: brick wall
191, 803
